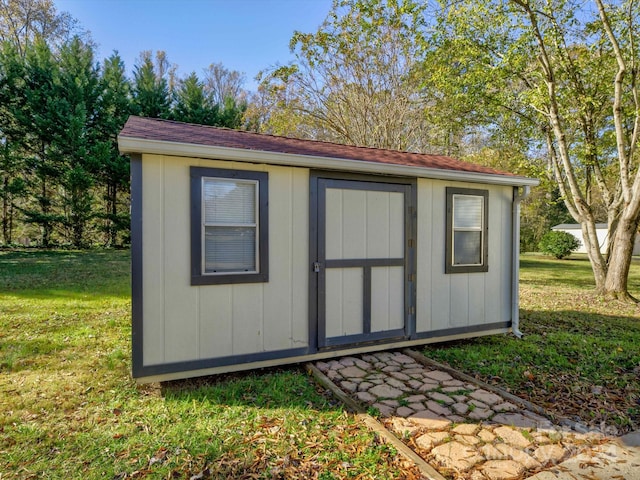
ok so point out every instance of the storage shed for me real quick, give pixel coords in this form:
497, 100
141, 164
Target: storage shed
252, 250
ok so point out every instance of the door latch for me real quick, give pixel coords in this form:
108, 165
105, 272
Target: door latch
316, 267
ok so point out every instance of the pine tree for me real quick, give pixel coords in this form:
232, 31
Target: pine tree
114, 107
12, 184
36, 114
76, 142
192, 104
150, 91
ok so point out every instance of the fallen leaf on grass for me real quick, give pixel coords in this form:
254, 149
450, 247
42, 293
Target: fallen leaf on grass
160, 456
202, 474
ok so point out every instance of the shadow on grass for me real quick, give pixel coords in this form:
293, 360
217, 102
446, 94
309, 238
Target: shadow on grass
574, 363
273, 388
599, 347
68, 295
42, 274
572, 271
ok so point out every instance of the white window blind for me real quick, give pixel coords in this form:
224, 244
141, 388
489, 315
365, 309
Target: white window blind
230, 213
468, 221
229, 201
467, 212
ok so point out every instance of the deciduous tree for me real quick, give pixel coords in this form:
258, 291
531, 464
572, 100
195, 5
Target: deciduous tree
222, 83
565, 73
353, 81
23, 21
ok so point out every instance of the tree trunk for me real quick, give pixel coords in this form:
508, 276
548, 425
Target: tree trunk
10, 222
44, 208
621, 253
5, 212
114, 211
77, 231
598, 264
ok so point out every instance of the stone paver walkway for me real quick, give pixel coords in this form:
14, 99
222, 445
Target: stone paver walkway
618, 459
462, 430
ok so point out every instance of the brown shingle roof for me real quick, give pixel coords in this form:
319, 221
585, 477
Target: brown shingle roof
171, 131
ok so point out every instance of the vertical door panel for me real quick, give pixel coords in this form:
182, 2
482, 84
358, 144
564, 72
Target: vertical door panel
354, 228
387, 303
397, 221
333, 223
378, 224
344, 291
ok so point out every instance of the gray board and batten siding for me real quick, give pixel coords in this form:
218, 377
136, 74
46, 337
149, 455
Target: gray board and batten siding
341, 249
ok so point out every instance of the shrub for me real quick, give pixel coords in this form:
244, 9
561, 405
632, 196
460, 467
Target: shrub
558, 244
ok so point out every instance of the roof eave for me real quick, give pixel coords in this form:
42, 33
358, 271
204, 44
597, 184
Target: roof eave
128, 145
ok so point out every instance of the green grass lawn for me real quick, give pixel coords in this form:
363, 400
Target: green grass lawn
580, 356
69, 408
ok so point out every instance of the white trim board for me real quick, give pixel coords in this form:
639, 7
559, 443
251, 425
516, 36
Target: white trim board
128, 145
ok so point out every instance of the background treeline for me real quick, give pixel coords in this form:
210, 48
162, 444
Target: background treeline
360, 79
63, 181
62, 178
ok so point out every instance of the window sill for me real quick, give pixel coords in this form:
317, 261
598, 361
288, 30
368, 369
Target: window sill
229, 279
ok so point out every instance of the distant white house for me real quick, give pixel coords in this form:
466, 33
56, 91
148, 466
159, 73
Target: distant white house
602, 232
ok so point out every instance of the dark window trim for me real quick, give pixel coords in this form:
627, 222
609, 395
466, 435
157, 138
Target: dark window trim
449, 267
197, 276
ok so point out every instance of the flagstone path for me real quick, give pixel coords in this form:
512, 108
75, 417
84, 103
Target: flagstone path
462, 430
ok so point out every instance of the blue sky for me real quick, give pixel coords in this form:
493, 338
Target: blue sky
243, 35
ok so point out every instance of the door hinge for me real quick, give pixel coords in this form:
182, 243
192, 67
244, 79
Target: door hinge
316, 267
412, 310
411, 277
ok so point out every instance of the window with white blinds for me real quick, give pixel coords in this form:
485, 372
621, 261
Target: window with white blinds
466, 230
229, 226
